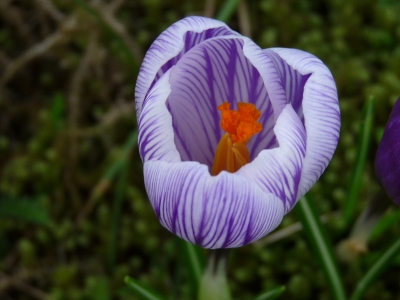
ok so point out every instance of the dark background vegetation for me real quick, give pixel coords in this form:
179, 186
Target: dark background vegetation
68, 158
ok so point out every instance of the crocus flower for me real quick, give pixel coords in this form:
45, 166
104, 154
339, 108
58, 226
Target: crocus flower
231, 136
387, 162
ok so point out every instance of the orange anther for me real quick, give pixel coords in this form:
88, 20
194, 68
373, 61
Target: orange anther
232, 153
241, 124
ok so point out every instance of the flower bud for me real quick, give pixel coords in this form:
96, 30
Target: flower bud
387, 162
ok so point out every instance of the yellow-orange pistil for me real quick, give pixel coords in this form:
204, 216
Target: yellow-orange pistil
240, 126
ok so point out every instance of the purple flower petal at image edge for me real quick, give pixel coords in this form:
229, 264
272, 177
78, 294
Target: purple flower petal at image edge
193, 67
387, 161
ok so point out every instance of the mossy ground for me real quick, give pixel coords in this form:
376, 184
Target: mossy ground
67, 79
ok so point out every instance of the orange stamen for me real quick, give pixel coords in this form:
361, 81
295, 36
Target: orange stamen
240, 125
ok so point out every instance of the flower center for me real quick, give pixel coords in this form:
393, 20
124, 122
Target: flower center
240, 126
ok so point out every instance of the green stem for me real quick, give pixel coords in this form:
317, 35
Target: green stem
319, 241
227, 10
365, 134
214, 285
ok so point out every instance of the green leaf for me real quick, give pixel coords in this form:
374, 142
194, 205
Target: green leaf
194, 257
384, 224
322, 247
376, 270
362, 152
118, 165
227, 10
143, 291
57, 111
116, 215
110, 174
271, 295
27, 210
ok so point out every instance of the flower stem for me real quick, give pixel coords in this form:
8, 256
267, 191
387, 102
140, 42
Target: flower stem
213, 284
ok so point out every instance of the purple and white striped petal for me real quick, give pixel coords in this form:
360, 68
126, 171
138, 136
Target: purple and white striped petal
319, 108
196, 65
211, 73
156, 136
221, 211
278, 170
275, 173
170, 46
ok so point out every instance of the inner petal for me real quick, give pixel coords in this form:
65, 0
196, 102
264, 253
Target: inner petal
214, 72
191, 39
292, 81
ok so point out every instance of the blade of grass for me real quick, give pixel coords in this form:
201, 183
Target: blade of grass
271, 295
116, 216
109, 176
362, 152
116, 167
57, 110
322, 247
134, 65
227, 10
143, 291
376, 270
384, 224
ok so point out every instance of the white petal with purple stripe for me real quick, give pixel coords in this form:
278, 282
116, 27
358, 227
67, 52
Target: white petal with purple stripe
221, 211
196, 65
170, 46
321, 113
211, 73
278, 170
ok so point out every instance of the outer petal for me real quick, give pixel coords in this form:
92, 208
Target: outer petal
278, 170
321, 114
224, 211
387, 162
156, 136
169, 47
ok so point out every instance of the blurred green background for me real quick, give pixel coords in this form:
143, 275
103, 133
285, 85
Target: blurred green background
74, 215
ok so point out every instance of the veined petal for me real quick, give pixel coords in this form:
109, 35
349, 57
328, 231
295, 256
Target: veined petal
210, 74
321, 114
223, 211
169, 47
292, 81
193, 67
278, 170
265, 66
156, 136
